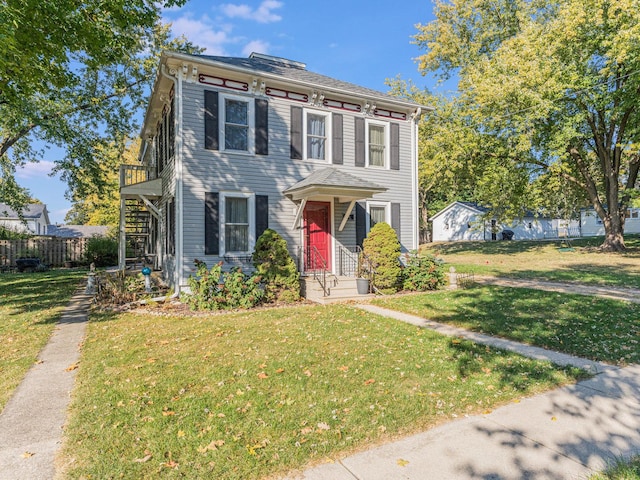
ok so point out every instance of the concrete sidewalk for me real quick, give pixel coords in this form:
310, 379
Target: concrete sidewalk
31, 423
568, 433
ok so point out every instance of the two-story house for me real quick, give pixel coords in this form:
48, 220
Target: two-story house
232, 146
33, 219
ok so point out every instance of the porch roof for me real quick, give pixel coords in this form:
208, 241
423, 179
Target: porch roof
333, 183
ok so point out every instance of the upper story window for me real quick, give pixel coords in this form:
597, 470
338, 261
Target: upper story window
236, 114
377, 144
236, 123
317, 126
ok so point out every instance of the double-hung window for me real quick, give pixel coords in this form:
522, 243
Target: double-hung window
377, 144
317, 128
237, 123
237, 227
377, 212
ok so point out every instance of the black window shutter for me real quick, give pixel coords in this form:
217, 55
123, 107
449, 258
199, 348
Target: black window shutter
171, 231
361, 223
336, 141
262, 127
360, 143
211, 223
262, 214
211, 120
395, 218
395, 147
296, 133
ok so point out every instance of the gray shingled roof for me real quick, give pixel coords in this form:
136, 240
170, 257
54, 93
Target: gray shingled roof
332, 177
76, 231
297, 71
33, 210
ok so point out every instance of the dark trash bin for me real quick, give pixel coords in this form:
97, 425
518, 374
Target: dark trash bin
507, 234
30, 265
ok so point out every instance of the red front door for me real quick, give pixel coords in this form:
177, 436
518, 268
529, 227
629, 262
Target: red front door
316, 234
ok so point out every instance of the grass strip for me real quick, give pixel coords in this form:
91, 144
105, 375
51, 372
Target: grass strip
588, 327
30, 305
247, 395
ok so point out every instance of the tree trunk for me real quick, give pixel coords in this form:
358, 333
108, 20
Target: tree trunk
613, 237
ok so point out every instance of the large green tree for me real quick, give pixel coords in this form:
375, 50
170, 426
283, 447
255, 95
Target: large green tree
73, 74
555, 85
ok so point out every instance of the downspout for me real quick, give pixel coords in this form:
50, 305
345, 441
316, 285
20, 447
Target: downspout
176, 77
414, 177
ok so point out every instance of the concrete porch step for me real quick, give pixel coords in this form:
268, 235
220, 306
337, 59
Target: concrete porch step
338, 289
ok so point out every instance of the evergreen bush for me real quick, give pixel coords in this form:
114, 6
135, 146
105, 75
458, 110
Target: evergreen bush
275, 266
383, 251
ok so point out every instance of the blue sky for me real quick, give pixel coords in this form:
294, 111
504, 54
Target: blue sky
359, 41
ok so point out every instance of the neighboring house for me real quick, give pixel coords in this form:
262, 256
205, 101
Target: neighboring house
77, 231
232, 146
34, 220
467, 221
591, 224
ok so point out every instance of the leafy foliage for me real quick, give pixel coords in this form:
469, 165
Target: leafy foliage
275, 266
423, 272
383, 251
551, 87
74, 75
7, 233
102, 251
216, 290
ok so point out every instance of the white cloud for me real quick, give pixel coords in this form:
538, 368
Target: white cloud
257, 46
40, 169
200, 32
262, 14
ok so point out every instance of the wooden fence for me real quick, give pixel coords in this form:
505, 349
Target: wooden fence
53, 251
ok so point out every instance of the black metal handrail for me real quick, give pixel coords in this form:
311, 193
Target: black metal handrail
318, 266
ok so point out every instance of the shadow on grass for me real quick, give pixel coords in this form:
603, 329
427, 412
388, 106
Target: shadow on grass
624, 276
32, 293
589, 327
519, 246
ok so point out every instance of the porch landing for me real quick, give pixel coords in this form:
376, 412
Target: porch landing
339, 289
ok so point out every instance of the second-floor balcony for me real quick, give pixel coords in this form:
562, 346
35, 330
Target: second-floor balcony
139, 180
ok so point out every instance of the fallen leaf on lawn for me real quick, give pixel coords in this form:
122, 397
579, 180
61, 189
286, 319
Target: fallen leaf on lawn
263, 375
144, 459
71, 367
343, 368
369, 382
307, 373
486, 370
280, 370
28, 454
402, 462
212, 446
170, 464
38, 362
181, 433
263, 365
151, 360
323, 426
168, 413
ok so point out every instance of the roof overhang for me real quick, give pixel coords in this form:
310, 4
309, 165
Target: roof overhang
333, 183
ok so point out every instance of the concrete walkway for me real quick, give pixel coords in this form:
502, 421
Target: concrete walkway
31, 423
568, 433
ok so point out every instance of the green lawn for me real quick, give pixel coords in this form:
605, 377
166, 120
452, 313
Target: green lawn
30, 305
589, 327
621, 470
247, 395
545, 260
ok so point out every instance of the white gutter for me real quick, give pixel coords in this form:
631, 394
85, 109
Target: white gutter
414, 177
176, 77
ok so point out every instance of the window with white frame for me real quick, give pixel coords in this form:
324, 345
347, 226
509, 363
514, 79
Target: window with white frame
377, 212
377, 144
631, 213
237, 123
317, 126
237, 227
